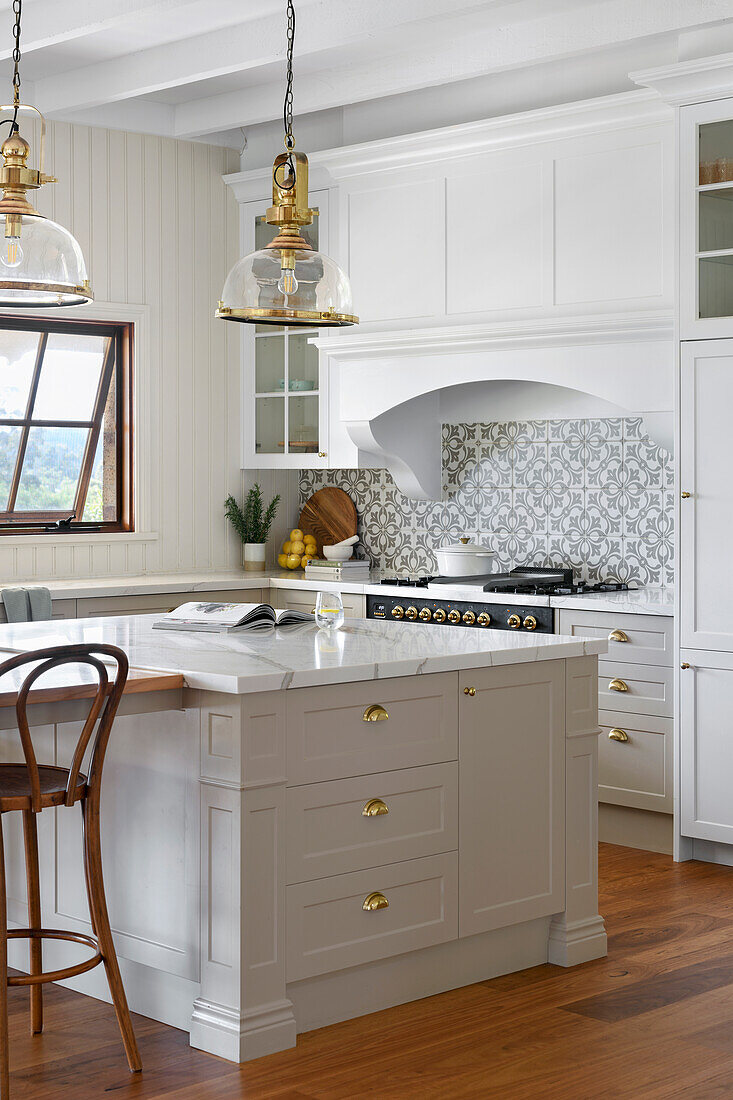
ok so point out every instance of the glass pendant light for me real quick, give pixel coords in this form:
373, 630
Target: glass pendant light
41, 264
288, 282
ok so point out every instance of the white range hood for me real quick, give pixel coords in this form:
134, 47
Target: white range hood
396, 389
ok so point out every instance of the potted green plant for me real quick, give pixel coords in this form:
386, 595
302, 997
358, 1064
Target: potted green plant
252, 523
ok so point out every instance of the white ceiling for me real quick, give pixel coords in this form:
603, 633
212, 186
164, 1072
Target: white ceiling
206, 68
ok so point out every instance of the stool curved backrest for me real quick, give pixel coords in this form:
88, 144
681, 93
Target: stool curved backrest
101, 714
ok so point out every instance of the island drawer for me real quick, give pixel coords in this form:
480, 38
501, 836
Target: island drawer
352, 824
345, 730
329, 927
648, 637
649, 688
636, 771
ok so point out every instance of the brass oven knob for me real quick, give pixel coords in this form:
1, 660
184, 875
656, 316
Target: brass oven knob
439, 615
398, 612
514, 622
484, 619
454, 616
411, 613
530, 623
469, 618
426, 614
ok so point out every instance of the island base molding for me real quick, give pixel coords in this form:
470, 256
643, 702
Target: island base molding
240, 1037
574, 942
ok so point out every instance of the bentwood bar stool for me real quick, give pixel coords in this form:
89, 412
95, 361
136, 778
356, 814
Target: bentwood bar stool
31, 788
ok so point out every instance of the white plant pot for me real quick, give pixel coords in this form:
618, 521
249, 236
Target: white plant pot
254, 556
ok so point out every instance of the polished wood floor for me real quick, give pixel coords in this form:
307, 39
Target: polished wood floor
653, 1020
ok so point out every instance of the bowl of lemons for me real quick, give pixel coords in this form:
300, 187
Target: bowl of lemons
297, 550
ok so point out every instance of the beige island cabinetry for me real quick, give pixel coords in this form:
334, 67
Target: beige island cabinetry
321, 825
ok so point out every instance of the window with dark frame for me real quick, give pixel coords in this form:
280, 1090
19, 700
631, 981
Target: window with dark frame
65, 425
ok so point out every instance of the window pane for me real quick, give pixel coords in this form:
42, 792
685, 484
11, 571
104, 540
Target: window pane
51, 469
69, 377
17, 358
9, 439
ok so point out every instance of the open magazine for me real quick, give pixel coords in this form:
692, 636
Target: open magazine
225, 618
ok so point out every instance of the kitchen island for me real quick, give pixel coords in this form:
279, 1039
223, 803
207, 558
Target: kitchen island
318, 825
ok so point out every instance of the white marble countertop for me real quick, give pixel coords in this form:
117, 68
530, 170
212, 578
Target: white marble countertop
144, 583
272, 660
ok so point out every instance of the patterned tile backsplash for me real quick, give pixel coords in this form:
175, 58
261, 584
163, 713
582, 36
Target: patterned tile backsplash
594, 494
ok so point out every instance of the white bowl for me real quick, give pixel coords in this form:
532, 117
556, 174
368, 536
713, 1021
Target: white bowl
338, 553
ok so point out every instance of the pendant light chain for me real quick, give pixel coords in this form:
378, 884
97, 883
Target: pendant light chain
13, 122
289, 183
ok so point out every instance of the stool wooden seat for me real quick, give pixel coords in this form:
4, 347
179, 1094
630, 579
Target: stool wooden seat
32, 788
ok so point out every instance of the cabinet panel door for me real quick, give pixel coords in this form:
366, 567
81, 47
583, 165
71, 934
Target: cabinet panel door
706, 517
706, 746
512, 795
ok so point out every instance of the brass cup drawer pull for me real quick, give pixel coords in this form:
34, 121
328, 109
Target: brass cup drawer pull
618, 636
375, 807
618, 685
375, 713
618, 735
374, 901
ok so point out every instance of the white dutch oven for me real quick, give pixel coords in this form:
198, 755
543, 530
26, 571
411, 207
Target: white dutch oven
463, 559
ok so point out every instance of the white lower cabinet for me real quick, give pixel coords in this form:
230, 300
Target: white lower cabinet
160, 602
706, 745
635, 761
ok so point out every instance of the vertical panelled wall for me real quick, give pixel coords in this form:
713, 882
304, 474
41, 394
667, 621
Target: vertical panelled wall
159, 230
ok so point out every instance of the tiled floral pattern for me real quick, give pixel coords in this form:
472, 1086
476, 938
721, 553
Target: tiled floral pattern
594, 494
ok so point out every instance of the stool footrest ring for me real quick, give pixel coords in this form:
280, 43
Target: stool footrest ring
55, 975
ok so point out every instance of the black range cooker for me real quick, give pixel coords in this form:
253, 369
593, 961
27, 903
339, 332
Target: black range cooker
419, 599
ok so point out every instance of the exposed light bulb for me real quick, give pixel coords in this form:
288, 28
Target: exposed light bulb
11, 254
287, 283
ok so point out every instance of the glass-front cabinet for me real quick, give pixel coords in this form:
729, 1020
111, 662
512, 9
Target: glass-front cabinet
285, 400
706, 220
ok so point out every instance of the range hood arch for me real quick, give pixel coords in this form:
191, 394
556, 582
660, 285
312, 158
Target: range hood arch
394, 387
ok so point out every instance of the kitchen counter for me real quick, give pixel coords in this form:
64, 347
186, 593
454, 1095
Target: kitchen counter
271, 660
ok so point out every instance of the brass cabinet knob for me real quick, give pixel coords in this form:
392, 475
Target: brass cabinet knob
398, 612
469, 618
411, 613
618, 636
374, 901
454, 616
375, 713
322, 454
618, 685
514, 622
530, 623
685, 664
426, 615
469, 691
375, 808
618, 735
438, 616
686, 496
484, 619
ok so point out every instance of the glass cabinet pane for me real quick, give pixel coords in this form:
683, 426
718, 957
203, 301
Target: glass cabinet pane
303, 424
270, 425
302, 361
269, 363
715, 153
715, 219
715, 281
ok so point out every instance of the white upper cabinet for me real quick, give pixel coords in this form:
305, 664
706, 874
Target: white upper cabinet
706, 220
706, 515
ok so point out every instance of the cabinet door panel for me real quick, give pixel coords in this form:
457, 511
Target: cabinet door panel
706, 746
706, 517
512, 795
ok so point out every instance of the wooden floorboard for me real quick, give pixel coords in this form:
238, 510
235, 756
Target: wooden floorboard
653, 1021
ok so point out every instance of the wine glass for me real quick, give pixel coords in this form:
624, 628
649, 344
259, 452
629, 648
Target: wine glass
329, 610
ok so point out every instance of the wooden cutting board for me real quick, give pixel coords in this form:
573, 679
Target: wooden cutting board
330, 516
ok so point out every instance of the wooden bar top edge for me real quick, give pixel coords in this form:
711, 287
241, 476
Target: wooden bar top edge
138, 681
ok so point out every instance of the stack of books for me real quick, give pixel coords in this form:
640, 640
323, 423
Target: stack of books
319, 569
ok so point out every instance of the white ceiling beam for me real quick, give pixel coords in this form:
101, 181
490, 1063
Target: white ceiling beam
232, 49
477, 50
49, 22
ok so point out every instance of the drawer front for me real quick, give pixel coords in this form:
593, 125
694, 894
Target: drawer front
154, 602
304, 599
328, 928
649, 637
337, 827
329, 739
650, 688
636, 772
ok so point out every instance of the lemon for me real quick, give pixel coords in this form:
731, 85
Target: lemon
286, 547
296, 535
309, 540
297, 548
293, 561
282, 560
